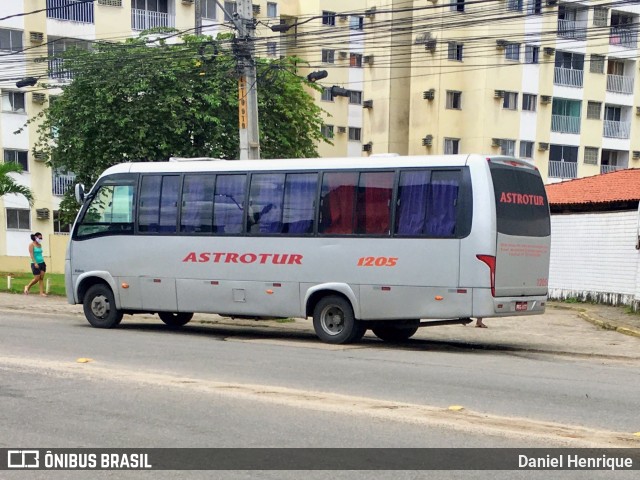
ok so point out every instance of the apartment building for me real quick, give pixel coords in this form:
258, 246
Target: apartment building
548, 80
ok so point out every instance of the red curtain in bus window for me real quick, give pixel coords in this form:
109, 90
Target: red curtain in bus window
374, 199
338, 200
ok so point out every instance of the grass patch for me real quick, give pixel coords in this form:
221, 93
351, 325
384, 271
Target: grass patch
20, 279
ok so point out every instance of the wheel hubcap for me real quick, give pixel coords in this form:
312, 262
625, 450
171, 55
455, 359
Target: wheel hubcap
100, 306
332, 320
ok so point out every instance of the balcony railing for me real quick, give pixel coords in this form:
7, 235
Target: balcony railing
562, 169
62, 182
620, 84
572, 29
623, 37
146, 19
568, 77
57, 70
73, 10
609, 168
565, 124
615, 129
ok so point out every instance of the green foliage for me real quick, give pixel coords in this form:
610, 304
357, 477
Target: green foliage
9, 185
148, 101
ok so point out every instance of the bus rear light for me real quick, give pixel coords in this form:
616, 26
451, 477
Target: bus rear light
215, 282
490, 261
385, 289
461, 290
277, 284
439, 297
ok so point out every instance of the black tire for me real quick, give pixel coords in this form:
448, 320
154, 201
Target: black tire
334, 321
398, 331
175, 320
100, 307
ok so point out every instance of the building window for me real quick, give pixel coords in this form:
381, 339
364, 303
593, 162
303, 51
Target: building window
510, 101
531, 54
17, 156
356, 22
457, 5
529, 102
355, 60
328, 18
13, 102
597, 64
594, 110
600, 15
230, 8
208, 9
355, 134
328, 56
272, 9
515, 5
526, 149
272, 49
512, 51
451, 146
10, 40
454, 51
507, 147
591, 155
355, 97
534, 7
18, 219
326, 94
327, 131
59, 226
454, 100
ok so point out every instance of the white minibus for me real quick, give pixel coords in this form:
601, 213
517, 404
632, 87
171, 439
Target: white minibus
386, 243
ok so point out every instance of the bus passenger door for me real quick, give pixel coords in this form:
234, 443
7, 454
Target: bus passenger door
158, 294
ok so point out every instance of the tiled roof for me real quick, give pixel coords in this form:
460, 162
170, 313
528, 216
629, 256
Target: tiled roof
618, 186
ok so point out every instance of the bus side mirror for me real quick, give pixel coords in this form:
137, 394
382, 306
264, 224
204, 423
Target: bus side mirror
79, 193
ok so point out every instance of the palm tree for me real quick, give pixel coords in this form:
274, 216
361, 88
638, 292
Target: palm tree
9, 185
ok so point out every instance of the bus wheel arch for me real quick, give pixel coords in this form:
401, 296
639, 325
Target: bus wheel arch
334, 319
99, 305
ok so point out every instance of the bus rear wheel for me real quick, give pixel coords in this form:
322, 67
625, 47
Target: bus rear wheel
334, 321
100, 307
396, 331
175, 320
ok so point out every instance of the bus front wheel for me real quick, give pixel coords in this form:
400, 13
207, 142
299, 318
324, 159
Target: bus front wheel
100, 307
335, 322
179, 319
397, 331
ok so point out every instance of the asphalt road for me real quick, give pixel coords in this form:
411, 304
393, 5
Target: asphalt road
222, 386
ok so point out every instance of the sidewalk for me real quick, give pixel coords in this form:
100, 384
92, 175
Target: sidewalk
565, 329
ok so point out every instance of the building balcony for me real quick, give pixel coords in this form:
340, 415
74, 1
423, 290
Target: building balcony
56, 69
568, 77
572, 29
623, 37
73, 10
146, 19
562, 169
615, 129
610, 168
62, 182
565, 124
619, 84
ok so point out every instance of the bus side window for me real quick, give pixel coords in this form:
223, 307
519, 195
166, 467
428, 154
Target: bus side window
299, 203
197, 204
264, 214
158, 204
374, 203
228, 206
337, 202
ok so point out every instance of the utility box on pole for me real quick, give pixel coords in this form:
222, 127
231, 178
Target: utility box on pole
247, 83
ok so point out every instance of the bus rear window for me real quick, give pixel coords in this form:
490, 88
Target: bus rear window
521, 201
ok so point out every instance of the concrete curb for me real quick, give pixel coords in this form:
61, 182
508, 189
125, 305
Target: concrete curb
607, 325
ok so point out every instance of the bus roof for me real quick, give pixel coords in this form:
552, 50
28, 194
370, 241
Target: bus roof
373, 162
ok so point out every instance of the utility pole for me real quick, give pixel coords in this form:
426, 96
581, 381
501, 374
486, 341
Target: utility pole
247, 83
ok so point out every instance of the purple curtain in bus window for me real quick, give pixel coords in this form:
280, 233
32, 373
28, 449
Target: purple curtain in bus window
413, 203
441, 201
197, 203
169, 203
228, 210
299, 202
266, 193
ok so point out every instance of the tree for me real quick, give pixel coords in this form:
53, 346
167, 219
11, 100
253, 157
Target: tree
8, 184
148, 101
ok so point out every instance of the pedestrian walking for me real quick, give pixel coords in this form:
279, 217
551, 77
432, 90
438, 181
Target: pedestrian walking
38, 267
